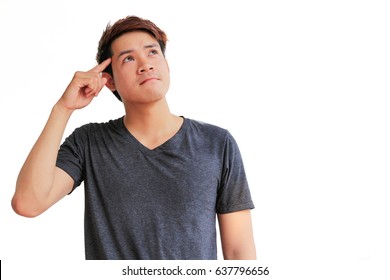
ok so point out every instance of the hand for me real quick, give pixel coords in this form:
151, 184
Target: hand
84, 87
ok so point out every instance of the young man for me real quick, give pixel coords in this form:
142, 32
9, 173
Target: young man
154, 182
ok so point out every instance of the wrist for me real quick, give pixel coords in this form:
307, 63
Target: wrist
62, 109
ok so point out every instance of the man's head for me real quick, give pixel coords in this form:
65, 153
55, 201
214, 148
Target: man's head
121, 27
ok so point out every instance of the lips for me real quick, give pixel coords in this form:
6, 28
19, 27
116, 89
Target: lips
148, 79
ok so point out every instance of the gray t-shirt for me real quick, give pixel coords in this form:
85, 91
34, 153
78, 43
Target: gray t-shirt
155, 204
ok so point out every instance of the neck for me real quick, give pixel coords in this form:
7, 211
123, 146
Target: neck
151, 124
146, 118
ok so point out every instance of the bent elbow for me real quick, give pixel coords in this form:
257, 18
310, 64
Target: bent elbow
24, 208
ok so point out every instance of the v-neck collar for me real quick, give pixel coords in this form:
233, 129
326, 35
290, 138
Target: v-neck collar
170, 144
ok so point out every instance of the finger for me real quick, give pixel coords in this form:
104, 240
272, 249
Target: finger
100, 67
103, 82
95, 86
91, 84
87, 91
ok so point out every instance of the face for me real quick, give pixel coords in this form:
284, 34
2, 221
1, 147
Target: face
140, 70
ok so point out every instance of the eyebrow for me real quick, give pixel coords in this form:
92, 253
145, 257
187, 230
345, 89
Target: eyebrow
131, 50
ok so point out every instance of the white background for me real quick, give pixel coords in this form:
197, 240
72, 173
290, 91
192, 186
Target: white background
302, 85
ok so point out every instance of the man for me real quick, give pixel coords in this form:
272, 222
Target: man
154, 182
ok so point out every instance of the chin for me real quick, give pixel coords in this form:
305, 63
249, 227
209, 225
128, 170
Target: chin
148, 98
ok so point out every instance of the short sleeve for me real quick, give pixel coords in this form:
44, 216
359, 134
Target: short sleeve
233, 192
71, 156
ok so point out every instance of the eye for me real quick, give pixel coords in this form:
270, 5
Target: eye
153, 52
128, 58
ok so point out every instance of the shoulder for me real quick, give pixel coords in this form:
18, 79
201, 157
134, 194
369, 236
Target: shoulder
115, 124
210, 132
207, 128
98, 130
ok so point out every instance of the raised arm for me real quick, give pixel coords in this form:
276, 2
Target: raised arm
237, 235
40, 183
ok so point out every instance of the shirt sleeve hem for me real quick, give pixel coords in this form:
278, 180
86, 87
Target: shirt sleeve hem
70, 173
235, 208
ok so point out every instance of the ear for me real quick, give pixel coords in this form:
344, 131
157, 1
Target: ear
168, 66
110, 81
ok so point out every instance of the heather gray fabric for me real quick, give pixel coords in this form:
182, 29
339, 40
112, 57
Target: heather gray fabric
154, 204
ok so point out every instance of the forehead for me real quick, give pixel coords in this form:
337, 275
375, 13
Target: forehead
132, 40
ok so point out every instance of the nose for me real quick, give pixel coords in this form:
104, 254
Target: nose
145, 67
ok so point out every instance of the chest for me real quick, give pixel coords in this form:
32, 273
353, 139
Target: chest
180, 179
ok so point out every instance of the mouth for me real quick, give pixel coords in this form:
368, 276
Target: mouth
149, 79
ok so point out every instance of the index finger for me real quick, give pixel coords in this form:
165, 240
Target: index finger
100, 67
